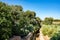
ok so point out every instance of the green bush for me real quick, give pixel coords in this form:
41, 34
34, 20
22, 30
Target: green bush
50, 30
14, 21
56, 36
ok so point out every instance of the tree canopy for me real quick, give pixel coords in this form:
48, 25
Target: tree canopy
14, 21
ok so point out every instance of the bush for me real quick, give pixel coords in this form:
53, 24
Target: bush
14, 22
50, 30
56, 36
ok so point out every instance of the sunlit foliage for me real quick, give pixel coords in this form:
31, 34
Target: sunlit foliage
14, 21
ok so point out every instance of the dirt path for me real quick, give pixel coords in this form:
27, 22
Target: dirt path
42, 37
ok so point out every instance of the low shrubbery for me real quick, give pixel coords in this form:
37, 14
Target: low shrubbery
52, 31
56, 36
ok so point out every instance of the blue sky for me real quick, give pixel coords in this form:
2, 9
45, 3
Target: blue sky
43, 8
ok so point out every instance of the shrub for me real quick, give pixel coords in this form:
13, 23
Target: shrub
14, 22
50, 30
56, 36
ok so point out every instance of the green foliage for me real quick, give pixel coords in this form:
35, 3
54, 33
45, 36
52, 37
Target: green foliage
53, 31
48, 20
16, 8
56, 36
30, 14
14, 21
50, 30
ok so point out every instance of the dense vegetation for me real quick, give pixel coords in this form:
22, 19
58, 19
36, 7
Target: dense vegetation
51, 27
14, 21
53, 31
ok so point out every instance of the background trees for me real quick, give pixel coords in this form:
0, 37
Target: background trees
48, 20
